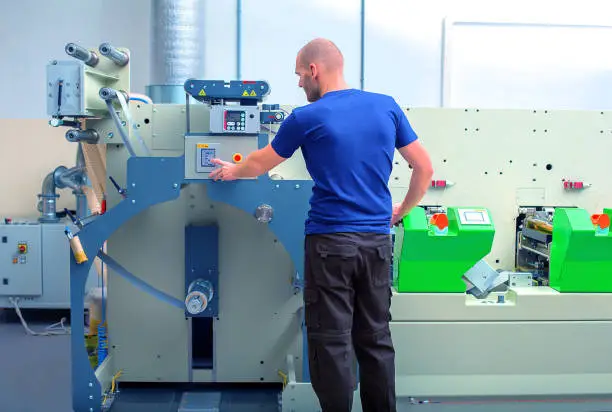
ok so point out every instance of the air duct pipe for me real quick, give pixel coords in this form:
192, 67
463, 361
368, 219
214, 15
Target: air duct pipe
61, 178
177, 52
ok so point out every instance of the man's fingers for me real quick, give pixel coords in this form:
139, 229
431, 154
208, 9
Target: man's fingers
215, 173
219, 162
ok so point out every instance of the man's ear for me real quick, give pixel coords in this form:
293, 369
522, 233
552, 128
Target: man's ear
313, 70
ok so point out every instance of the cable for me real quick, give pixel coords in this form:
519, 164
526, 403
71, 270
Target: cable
52, 330
124, 136
138, 99
139, 283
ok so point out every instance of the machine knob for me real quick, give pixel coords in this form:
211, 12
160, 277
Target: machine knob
199, 295
264, 213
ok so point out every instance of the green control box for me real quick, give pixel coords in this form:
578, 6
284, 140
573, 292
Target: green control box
581, 251
432, 254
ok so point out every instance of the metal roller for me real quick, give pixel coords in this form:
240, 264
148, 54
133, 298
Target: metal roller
88, 57
87, 136
117, 56
107, 93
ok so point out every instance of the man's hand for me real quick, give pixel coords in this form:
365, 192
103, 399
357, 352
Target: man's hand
227, 171
398, 214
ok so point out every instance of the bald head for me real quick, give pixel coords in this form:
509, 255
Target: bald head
320, 66
322, 52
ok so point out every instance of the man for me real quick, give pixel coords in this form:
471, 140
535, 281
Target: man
347, 138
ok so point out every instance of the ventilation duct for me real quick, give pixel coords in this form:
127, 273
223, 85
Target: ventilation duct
177, 48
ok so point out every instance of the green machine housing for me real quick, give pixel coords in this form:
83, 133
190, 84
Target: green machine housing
581, 252
432, 258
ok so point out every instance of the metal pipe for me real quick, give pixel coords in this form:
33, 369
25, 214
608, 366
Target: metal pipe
238, 39
60, 178
47, 200
532, 250
117, 56
78, 52
177, 47
68, 178
87, 136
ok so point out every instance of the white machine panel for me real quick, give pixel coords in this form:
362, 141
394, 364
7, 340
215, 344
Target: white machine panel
200, 150
41, 276
20, 259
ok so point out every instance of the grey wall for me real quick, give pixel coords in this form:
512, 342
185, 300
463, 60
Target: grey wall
34, 32
508, 67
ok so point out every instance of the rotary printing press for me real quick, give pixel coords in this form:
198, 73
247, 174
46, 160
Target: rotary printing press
501, 278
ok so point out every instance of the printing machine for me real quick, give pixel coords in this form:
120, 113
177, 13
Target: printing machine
501, 278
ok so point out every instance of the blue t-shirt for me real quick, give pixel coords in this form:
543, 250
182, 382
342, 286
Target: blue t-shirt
348, 138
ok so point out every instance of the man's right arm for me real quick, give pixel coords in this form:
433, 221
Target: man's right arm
422, 170
422, 173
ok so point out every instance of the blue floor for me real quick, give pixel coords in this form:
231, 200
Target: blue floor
35, 377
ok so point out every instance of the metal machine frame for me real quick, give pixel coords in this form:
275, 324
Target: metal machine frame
158, 180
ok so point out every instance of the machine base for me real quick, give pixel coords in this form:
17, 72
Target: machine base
302, 399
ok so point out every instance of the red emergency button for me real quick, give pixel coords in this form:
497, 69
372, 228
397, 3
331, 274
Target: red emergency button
440, 220
22, 248
601, 220
237, 158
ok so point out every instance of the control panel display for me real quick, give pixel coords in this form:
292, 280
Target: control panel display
206, 157
234, 120
474, 217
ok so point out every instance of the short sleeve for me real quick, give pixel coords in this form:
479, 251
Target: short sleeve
289, 137
404, 132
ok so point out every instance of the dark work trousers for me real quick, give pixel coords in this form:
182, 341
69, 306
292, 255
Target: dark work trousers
347, 295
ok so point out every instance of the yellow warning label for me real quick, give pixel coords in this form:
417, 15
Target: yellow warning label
253, 93
202, 93
245, 93
202, 146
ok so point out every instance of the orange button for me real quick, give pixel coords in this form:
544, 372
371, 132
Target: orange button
601, 220
237, 158
440, 220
